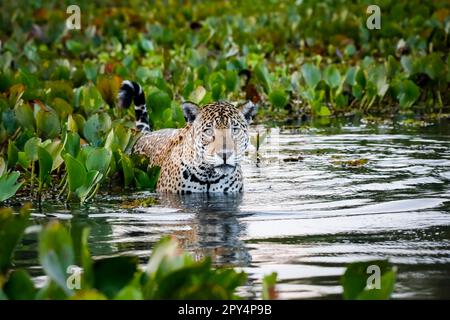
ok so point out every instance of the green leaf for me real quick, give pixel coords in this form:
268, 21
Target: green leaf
262, 74
360, 275
9, 185
197, 95
407, 92
3, 166
332, 76
12, 227
158, 101
231, 80
99, 160
54, 149
24, 115
92, 131
76, 172
92, 178
91, 99
45, 164
72, 145
31, 148
91, 69
268, 286
56, 253
13, 154
47, 123
311, 74
127, 169
113, 274
278, 98
324, 111
20, 286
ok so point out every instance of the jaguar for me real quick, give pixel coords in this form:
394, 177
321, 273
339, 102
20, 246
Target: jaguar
204, 155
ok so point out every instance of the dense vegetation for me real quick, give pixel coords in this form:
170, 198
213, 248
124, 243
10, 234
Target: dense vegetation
62, 135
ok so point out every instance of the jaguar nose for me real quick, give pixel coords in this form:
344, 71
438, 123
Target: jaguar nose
224, 155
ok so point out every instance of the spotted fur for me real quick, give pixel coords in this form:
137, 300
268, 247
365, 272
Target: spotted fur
205, 155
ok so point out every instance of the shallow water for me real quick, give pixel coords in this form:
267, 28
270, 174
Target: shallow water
305, 218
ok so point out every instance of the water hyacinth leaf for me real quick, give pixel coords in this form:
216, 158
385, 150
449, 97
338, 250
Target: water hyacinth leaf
407, 65
90, 69
91, 99
216, 91
127, 169
80, 121
278, 98
407, 92
55, 148
197, 95
93, 177
13, 154
341, 101
360, 78
24, 115
62, 107
109, 88
153, 173
45, 164
164, 249
132, 291
99, 160
158, 101
12, 227
20, 286
72, 145
268, 286
47, 123
71, 124
142, 179
76, 172
262, 74
23, 160
324, 112
56, 253
369, 280
332, 76
434, 67
31, 148
3, 166
76, 47
92, 131
357, 91
311, 74
231, 80
111, 275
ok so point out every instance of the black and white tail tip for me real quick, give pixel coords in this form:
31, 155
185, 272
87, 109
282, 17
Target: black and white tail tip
132, 91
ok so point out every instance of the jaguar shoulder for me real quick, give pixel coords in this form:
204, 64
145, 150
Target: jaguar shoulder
205, 155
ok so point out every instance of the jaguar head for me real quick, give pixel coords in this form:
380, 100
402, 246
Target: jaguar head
219, 132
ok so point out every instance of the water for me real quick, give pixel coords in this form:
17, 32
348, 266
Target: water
305, 218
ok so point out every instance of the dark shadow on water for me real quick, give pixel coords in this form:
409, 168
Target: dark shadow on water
216, 228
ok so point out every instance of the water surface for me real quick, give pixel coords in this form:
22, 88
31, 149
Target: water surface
302, 214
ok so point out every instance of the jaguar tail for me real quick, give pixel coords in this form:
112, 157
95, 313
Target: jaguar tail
132, 91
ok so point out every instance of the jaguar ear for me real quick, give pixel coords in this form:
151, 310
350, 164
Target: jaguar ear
190, 111
248, 109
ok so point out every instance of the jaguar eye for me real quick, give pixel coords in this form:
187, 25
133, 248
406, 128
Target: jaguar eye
235, 130
208, 131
